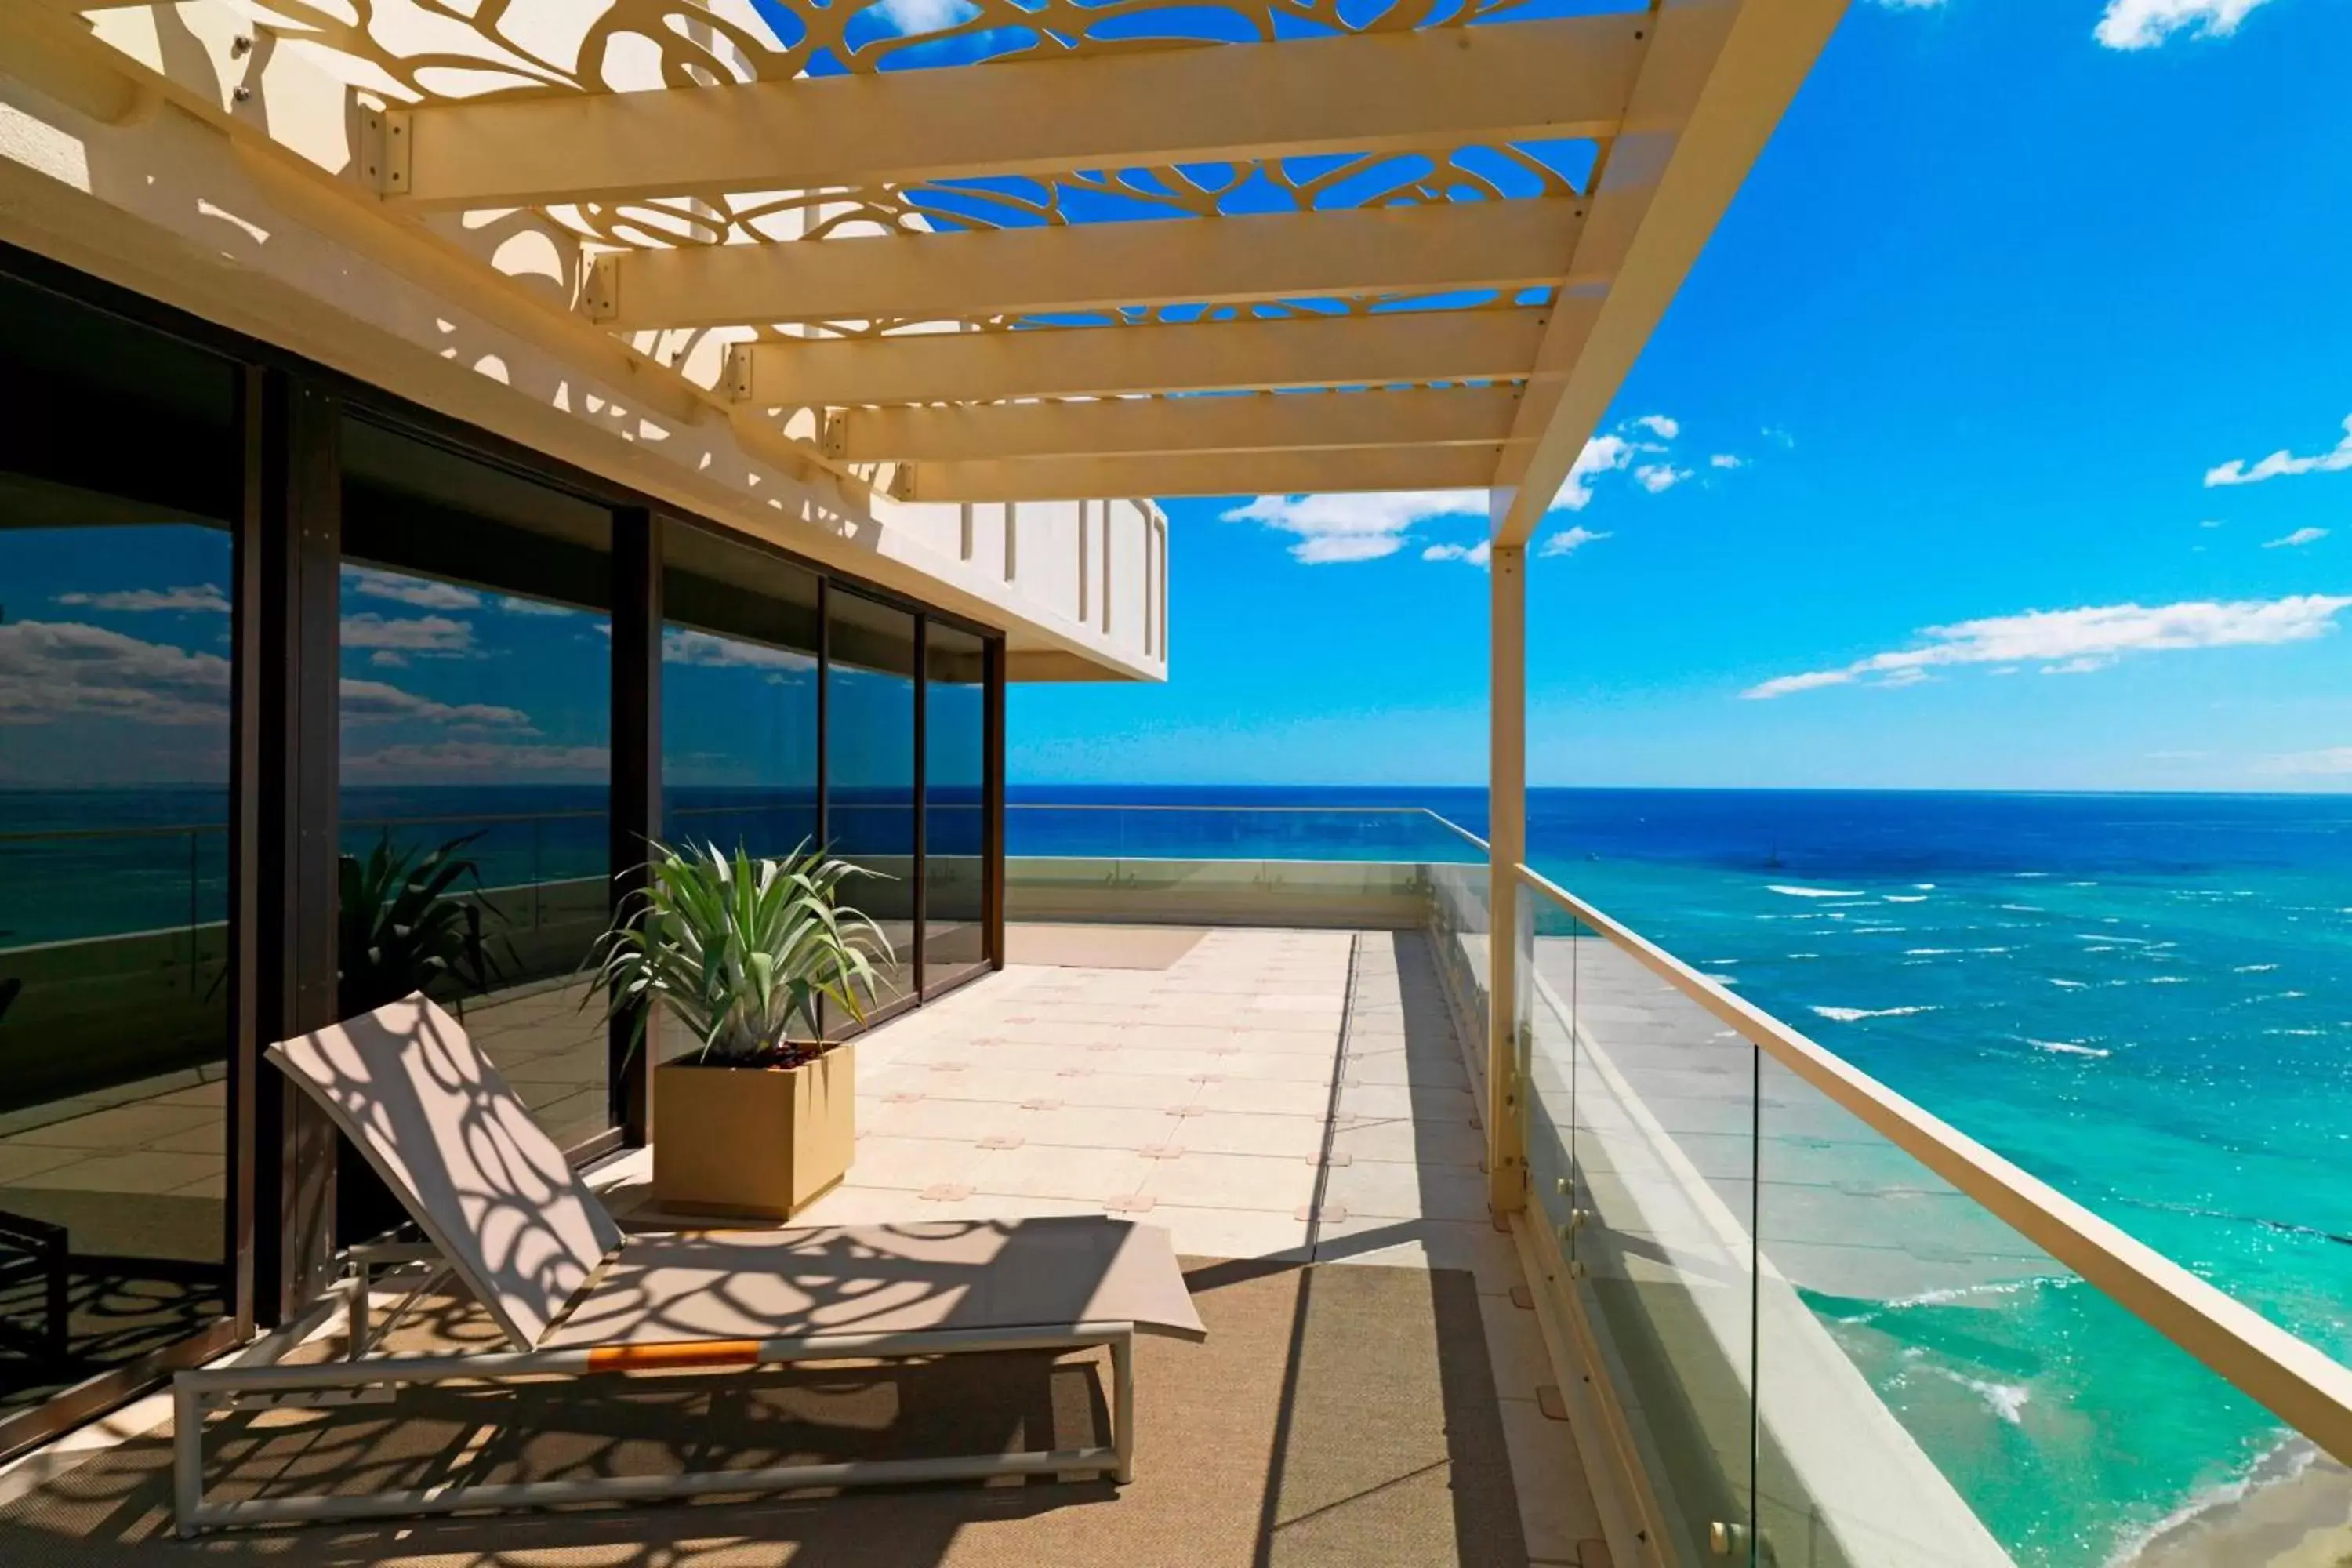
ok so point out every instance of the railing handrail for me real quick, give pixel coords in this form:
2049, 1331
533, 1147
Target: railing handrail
174, 829
2287, 1376
1442, 820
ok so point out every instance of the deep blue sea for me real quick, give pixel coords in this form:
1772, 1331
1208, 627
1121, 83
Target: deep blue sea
2144, 1000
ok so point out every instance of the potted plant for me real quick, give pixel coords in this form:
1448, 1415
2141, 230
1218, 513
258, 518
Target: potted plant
401, 927
759, 1115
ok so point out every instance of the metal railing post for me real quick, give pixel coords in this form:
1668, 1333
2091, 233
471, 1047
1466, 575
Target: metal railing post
1507, 834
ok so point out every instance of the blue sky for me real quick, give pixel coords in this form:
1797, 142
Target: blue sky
1999, 298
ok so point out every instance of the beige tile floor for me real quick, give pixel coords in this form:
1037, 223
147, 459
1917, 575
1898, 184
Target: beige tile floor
1200, 1096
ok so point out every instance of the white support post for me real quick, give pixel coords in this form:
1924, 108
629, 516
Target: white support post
1507, 836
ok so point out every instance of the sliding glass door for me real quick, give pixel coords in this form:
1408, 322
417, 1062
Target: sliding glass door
477, 739
120, 484
871, 784
955, 805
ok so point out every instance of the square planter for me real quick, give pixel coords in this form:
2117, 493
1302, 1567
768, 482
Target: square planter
754, 1142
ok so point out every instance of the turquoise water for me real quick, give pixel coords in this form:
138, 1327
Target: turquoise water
2166, 1046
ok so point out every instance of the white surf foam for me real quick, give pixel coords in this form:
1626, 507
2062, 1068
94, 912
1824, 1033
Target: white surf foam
2006, 1400
1854, 1015
2066, 1048
1795, 893
2071, 985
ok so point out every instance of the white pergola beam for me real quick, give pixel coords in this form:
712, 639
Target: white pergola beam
1436, 87
1714, 82
1232, 473
1349, 253
1111, 361
1169, 426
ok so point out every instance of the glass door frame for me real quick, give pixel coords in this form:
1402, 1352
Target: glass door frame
280, 1242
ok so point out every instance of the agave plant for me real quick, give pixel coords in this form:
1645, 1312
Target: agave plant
400, 928
742, 950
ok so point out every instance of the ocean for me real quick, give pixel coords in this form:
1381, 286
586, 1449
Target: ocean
2141, 999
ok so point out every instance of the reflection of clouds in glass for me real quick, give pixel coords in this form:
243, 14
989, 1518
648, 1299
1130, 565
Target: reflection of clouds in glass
468, 760
435, 636
50, 670
204, 598
683, 645
422, 591
373, 702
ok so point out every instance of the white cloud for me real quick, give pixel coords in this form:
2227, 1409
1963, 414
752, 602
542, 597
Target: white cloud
51, 670
1471, 554
2333, 760
514, 606
1602, 454
913, 16
2301, 536
2072, 642
1374, 524
373, 702
202, 597
683, 645
436, 635
1568, 541
480, 759
2210, 522
2144, 24
1360, 527
2283, 464
1726, 460
422, 592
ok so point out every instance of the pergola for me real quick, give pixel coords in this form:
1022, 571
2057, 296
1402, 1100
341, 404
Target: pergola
1005, 250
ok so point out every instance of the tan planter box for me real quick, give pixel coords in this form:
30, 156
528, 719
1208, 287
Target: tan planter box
754, 1142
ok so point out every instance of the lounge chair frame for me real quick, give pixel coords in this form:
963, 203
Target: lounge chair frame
375, 1077
373, 1378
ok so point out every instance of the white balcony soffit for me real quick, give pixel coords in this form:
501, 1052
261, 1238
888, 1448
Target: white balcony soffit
1049, 250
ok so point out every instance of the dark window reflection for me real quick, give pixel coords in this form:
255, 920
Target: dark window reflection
870, 767
116, 578
955, 739
739, 696
476, 706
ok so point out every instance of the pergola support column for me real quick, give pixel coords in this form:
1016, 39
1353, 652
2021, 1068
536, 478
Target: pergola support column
1506, 839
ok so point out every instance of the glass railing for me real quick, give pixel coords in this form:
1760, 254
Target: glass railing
1836, 1331
1360, 866
1402, 835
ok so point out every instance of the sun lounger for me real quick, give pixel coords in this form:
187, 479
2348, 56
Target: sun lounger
504, 1213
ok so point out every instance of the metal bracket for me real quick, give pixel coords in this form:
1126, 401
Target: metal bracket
383, 145
834, 440
736, 378
600, 287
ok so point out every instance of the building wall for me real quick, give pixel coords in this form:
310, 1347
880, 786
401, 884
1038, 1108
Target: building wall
247, 211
